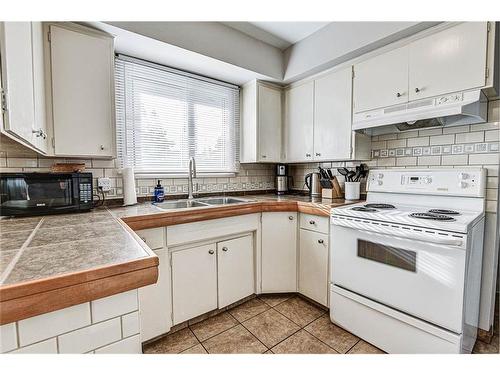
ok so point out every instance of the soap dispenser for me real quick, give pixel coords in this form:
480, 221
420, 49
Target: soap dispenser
159, 194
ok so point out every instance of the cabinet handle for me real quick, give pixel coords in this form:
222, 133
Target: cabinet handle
398, 95
264, 156
417, 89
308, 155
224, 248
312, 222
210, 252
318, 154
290, 217
320, 241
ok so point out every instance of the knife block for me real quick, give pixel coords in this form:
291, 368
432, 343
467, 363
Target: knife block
333, 193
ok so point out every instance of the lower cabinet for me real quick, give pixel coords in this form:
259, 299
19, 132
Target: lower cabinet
194, 282
279, 252
211, 276
313, 265
235, 269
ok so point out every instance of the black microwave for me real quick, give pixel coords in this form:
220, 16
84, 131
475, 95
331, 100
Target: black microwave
26, 194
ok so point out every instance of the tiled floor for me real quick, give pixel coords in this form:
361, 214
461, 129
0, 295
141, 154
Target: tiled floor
270, 324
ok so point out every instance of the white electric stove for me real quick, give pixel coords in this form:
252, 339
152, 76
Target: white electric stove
406, 265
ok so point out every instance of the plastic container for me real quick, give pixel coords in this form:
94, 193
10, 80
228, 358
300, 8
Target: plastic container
352, 190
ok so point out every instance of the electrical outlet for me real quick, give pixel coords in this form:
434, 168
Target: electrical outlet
104, 184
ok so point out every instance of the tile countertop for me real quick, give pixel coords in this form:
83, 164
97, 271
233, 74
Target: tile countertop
50, 257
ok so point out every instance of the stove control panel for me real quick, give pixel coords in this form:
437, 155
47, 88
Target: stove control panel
454, 182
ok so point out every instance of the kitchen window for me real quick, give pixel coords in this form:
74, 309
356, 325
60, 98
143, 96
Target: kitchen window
165, 116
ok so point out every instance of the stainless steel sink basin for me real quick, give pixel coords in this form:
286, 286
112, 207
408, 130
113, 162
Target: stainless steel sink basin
174, 205
202, 202
222, 200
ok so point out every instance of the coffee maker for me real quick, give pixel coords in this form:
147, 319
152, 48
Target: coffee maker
282, 179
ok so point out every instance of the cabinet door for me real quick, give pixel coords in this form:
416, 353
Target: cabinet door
299, 122
194, 282
279, 252
82, 89
332, 116
450, 60
235, 269
381, 81
155, 302
313, 266
269, 117
40, 139
17, 74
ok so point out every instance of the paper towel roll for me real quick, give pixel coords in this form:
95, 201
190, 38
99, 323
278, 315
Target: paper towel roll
129, 195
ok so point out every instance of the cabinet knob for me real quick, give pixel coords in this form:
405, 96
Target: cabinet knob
264, 156
312, 222
210, 252
417, 89
398, 95
308, 155
102, 147
224, 248
318, 154
290, 217
320, 241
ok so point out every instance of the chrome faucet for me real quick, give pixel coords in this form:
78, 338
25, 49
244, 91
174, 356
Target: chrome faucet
192, 174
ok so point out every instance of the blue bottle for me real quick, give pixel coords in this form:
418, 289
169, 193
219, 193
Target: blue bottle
159, 194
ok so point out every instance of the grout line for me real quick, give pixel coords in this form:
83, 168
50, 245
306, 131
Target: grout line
16, 258
265, 346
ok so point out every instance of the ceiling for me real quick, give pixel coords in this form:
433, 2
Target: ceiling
278, 34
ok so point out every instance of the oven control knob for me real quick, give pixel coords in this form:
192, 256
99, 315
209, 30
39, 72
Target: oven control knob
427, 180
463, 184
380, 182
463, 176
380, 175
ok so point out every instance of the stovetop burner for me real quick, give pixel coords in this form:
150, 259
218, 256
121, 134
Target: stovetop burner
443, 212
431, 216
364, 209
382, 206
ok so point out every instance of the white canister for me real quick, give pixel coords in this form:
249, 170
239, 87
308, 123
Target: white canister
352, 190
129, 195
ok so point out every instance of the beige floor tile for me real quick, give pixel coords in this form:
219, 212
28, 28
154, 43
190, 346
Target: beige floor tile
173, 343
274, 299
299, 311
197, 349
484, 348
302, 342
234, 340
271, 327
248, 309
362, 347
213, 326
331, 334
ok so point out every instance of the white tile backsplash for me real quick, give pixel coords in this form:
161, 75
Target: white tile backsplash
8, 337
45, 347
118, 304
130, 324
130, 345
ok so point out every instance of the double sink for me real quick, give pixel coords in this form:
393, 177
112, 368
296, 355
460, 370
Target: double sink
202, 202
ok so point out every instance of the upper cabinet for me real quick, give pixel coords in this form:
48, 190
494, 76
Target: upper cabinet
261, 123
299, 119
381, 81
82, 81
318, 121
23, 85
453, 59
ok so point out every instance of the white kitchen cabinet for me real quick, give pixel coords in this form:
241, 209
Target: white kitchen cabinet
82, 79
23, 83
381, 81
313, 265
260, 123
194, 282
332, 116
299, 119
451, 60
279, 252
155, 301
235, 266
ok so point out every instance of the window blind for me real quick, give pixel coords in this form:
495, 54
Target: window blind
165, 116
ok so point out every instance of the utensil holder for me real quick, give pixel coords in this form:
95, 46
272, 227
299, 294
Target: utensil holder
352, 190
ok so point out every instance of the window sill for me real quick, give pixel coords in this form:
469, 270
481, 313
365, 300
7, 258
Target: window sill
182, 175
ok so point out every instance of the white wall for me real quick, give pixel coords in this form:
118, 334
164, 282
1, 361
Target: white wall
341, 41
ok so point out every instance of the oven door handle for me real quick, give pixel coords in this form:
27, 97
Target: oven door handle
428, 239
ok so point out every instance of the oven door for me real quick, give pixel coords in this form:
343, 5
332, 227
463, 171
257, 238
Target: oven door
37, 193
417, 273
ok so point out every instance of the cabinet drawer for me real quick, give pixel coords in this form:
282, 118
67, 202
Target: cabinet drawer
315, 223
154, 238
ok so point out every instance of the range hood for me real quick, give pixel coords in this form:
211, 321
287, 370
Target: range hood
461, 108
